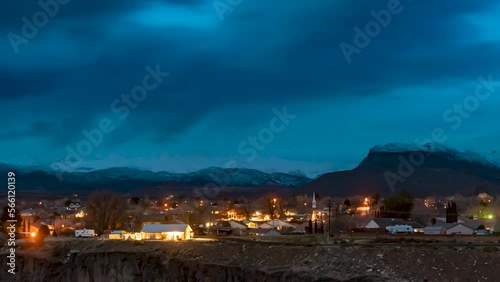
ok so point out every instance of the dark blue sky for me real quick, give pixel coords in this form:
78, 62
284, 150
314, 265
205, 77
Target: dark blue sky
230, 71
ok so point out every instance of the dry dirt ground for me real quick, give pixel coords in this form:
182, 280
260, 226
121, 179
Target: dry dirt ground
372, 259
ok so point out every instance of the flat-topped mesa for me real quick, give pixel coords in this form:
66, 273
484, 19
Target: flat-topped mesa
434, 149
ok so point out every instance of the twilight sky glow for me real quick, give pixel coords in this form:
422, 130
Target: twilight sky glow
230, 72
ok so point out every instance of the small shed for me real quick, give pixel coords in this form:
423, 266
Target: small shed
116, 235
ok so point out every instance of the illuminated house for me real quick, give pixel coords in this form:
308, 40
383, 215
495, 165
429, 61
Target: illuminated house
364, 209
233, 215
120, 235
166, 232
34, 227
249, 224
69, 214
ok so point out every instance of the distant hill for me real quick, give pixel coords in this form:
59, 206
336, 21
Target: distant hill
136, 181
444, 171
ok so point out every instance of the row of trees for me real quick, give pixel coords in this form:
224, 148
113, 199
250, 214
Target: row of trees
106, 210
399, 206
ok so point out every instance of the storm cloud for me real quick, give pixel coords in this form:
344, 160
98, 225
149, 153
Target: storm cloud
227, 76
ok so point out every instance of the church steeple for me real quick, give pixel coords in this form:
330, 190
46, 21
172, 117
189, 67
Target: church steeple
314, 200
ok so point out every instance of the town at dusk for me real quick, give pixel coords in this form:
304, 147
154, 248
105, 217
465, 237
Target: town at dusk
237, 140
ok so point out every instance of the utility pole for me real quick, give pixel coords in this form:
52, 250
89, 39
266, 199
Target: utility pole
329, 216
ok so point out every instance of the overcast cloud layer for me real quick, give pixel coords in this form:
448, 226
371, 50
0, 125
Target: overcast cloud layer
226, 77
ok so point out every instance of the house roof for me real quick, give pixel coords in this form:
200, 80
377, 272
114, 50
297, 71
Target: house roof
434, 228
488, 223
237, 225
279, 223
265, 226
457, 224
384, 222
262, 231
443, 219
117, 232
158, 228
444, 224
414, 224
361, 221
233, 224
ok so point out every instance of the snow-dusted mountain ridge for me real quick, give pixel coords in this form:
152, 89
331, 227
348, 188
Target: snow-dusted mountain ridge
436, 148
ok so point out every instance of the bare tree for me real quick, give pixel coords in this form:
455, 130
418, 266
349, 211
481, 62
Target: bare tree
247, 209
283, 208
201, 214
105, 210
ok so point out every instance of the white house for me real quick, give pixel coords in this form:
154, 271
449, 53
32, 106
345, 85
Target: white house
459, 229
383, 223
232, 227
167, 232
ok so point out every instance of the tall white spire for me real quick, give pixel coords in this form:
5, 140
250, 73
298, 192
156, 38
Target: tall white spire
314, 200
